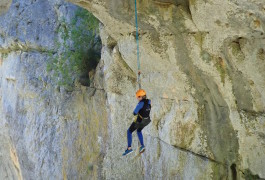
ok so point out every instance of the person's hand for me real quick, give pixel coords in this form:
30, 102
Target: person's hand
135, 118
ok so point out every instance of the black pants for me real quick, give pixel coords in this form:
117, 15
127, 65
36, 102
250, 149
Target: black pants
139, 124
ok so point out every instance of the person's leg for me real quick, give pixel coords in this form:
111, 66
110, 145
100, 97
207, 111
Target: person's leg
141, 139
129, 134
140, 136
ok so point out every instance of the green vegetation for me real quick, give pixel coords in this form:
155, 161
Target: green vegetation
236, 50
261, 54
4, 55
206, 56
77, 50
249, 176
220, 66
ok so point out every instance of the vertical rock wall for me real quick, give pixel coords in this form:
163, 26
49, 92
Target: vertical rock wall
202, 66
49, 133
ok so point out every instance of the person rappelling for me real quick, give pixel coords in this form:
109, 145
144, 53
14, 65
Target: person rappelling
143, 108
142, 113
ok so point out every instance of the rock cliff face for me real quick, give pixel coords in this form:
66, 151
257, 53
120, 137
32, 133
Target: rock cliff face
4, 6
202, 66
51, 134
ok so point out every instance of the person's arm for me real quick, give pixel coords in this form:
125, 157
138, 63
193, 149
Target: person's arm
139, 106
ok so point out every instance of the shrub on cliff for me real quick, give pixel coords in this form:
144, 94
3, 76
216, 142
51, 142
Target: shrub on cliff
77, 50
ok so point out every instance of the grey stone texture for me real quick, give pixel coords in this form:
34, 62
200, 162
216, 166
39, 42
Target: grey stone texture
202, 65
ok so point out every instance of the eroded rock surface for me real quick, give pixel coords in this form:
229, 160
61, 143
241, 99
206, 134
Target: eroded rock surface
202, 65
47, 133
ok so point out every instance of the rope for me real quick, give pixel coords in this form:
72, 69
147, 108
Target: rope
138, 59
138, 51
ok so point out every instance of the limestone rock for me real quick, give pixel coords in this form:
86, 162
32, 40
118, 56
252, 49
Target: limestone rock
4, 6
49, 133
202, 65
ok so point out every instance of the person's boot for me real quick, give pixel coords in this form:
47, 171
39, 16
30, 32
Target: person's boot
142, 149
127, 151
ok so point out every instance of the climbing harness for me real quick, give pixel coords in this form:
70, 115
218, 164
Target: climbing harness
138, 51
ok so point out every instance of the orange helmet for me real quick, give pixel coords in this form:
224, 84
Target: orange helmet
140, 92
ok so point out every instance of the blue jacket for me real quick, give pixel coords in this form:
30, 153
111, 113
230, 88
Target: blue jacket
139, 106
